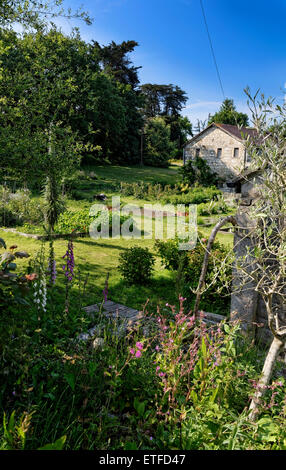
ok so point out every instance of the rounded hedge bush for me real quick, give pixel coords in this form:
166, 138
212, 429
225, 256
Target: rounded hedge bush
136, 265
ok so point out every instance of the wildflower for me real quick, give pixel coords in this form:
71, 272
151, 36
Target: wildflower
139, 346
69, 267
52, 271
40, 290
138, 354
31, 277
132, 351
157, 348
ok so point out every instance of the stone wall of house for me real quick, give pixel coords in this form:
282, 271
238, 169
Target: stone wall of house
226, 166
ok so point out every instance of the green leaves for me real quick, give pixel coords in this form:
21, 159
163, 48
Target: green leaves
57, 445
139, 407
71, 380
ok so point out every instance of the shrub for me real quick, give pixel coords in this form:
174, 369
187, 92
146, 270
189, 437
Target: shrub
141, 190
80, 221
217, 295
19, 208
196, 195
198, 171
213, 207
7, 218
136, 265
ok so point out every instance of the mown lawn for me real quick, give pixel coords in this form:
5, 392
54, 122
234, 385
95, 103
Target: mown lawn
97, 258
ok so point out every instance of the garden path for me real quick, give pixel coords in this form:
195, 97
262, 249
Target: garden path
129, 317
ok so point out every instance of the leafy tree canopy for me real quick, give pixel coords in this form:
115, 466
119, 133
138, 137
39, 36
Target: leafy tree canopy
34, 13
227, 114
116, 62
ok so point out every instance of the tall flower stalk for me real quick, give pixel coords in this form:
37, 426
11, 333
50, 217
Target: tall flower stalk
68, 269
52, 271
40, 286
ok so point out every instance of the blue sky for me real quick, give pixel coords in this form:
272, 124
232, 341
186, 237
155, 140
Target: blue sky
249, 40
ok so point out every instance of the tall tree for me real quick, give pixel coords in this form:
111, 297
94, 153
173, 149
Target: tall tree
163, 100
158, 149
51, 78
115, 61
227, 114
167, 101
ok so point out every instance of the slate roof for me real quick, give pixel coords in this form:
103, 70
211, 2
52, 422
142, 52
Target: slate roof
240, 133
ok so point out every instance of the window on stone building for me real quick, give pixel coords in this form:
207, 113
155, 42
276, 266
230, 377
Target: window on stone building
236, 152
197, 152
219, 152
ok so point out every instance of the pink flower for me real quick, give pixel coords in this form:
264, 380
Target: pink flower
139, 346
138, 354
157, 348
132, 351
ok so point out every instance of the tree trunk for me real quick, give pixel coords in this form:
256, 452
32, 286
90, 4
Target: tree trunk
269, 363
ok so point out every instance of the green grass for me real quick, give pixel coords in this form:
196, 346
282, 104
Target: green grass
113, 174
96, 258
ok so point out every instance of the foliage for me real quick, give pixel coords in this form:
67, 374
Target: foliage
13, 287
167, 101
142, 190
262, 264
198, 171
195, 195
81, 220
136, 265
35, 13
227, 114
158, 148
219, 274
184, 386
213, 207
19, 208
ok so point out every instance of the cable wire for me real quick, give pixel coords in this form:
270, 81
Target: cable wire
212, 49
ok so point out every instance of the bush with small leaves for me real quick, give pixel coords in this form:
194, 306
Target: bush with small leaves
136, 265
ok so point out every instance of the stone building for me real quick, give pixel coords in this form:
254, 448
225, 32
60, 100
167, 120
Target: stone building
222, 147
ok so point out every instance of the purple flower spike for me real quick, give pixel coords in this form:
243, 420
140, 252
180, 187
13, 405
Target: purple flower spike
69, 267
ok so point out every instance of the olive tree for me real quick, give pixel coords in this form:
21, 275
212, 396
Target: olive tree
262, 265
267, 255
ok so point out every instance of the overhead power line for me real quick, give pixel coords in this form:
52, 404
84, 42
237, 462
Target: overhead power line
212, 49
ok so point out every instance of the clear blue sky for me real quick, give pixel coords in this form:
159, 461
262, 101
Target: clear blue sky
249, 40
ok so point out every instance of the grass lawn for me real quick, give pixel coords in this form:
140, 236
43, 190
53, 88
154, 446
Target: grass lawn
97, 258
113, 174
